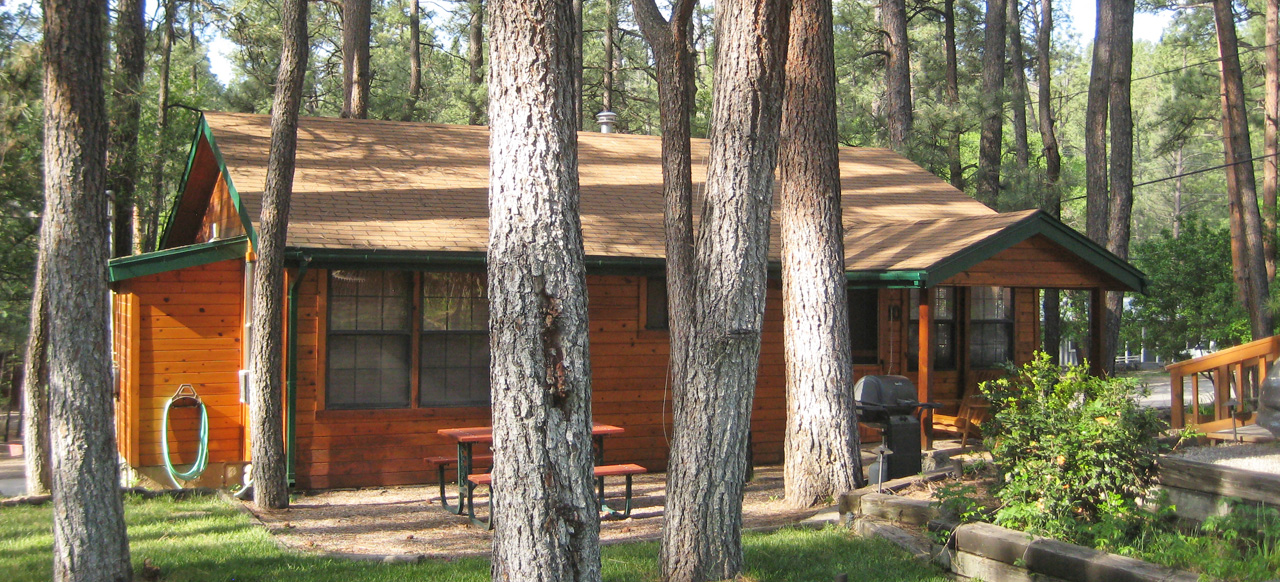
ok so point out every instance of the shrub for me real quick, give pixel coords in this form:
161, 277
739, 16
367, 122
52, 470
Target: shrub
1073, 451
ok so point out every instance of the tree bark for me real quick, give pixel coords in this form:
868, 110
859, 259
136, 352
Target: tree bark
270, 486
822, 459
356, 23
955, 168
415, 60
577, 61
122, 145
610, 33
1018, 87
475, 61
989, 146
1097, 202
897, 71
544, 509
1246, 222
702, 535
1052, 200
673, 57
1121, 164
35, 386
1271, 147
147, 231
89, 539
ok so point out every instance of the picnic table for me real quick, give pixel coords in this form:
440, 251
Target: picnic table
466, 439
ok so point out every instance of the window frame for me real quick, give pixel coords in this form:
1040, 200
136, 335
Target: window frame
329, 332
1008, 323
952, 324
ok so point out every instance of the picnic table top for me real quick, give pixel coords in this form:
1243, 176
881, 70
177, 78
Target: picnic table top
484, 434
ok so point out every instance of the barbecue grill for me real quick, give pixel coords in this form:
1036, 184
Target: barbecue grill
887, 403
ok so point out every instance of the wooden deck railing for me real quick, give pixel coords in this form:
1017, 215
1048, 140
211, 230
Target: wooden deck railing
1243, 366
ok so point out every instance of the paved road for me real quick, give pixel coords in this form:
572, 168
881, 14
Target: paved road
12, 482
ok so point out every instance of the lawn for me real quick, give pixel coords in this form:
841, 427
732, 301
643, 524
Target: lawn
208, 539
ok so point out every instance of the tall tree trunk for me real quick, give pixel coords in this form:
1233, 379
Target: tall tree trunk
356, 23
122, 145
989, 146
673, 57
415, 60
146, 231
610, 33
89, 539
1271, 147
544, 508
1246, 222
702, 536
897, 71
1121, 168
35, 386
475, 62
270, 489
1097, 201
1018, 87
1052, 200
955, 168
822, 459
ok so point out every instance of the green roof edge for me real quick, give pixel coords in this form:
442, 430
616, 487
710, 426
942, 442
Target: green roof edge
204, 131
176, 258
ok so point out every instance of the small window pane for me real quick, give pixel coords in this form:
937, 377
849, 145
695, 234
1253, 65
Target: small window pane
455, 342
655, 309
368, 343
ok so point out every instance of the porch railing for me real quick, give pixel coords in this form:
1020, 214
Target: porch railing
1242, 367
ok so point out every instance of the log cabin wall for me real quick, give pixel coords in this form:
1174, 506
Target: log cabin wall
173, 328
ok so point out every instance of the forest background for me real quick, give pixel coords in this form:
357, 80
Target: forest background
1179, 223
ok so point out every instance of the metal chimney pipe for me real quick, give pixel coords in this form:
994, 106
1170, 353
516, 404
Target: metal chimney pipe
606, 120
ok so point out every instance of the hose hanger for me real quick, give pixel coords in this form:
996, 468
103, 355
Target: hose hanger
186, 397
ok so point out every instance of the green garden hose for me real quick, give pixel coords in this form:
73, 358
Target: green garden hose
185, 394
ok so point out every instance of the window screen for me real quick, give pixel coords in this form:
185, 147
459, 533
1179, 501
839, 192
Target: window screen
368, 343
455, 340
990, 326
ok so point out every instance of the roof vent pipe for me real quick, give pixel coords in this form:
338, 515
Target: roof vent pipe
606, 120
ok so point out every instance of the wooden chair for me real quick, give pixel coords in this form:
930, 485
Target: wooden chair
968, 419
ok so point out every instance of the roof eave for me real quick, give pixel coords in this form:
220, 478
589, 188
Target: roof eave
176, 258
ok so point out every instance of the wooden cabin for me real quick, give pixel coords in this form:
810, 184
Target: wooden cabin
386, 309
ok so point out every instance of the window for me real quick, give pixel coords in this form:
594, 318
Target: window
372, 322
455, 340
990, 326
369, 336
944, 328
655, 303
864, 325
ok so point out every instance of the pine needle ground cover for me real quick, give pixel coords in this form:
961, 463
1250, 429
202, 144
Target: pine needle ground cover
208, 539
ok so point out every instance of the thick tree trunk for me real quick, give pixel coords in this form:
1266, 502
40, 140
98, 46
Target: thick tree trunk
122, 147
146, 231
702, 536
1121, 168
577, 61
415, 60
270, 489
89, 539
1271, 147
1246, 222
1097, 201
1018, 87
955, 169
989, 146
35, 387
610, 33
544, 509
673, 56
356, 23
821, 453
897, 71
1052, 200
475, 62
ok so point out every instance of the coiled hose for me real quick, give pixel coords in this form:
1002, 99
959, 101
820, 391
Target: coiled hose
185, 395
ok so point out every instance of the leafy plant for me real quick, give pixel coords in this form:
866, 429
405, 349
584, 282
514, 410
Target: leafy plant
1073, 451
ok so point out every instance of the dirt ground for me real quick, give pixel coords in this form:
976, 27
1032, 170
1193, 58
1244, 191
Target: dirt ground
408, 522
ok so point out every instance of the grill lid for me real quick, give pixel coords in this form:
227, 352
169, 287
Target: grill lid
892, 392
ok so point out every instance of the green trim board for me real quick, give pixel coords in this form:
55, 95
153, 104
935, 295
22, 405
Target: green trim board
177, 258
205, 132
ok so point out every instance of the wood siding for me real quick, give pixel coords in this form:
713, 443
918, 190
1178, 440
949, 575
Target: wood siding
221, 214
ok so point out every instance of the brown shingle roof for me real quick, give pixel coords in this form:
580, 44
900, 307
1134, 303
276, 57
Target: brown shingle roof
363, 184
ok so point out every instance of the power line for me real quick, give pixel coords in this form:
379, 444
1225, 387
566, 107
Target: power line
1191, 173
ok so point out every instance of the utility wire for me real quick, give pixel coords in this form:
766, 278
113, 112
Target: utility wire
1191, 173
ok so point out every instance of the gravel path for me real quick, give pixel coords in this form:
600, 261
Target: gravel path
1263, 458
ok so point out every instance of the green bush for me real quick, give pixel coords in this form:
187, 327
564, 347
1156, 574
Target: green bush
1073, 451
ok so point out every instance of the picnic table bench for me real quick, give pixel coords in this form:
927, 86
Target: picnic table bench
628, 470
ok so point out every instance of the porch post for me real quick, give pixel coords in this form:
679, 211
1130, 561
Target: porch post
1097, 330
924, 377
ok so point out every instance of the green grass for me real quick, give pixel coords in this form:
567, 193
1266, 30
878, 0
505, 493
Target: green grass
208, 539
